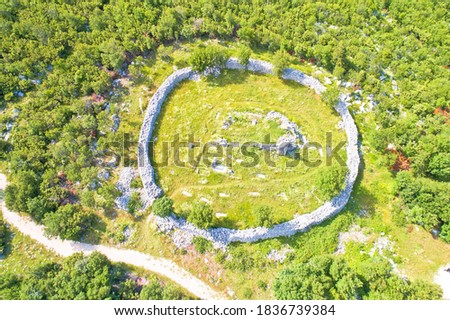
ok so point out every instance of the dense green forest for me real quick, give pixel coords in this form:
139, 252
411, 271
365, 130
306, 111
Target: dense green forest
82, 277
328, 277
59, 60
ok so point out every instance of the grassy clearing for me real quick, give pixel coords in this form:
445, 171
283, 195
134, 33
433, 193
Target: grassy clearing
199, 109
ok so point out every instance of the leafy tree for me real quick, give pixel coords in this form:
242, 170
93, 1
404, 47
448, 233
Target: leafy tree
331, 181
18, 193
152, 291
79, 276
9, 286
68, 222
331, 96
201, 215
163, 206
135, 202
3, 237
445, 232
171, 292
209, 56
127, 290
39, 206
322, 277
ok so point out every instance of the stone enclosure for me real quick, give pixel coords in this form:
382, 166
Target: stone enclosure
221, 237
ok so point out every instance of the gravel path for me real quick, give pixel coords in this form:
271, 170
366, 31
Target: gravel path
66, 248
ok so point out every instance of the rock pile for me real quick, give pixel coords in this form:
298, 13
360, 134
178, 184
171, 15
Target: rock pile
126, 175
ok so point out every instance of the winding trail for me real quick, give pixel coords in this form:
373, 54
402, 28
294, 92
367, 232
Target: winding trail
66, 248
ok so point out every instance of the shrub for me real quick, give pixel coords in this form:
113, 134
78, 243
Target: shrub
445, 232
162, 206
264, 216
210, 56
135, 202
322, 277
68, 222
201, 215
331, 96
331, 181
152, 291
281, 62
3, 237
201, 244
243, 55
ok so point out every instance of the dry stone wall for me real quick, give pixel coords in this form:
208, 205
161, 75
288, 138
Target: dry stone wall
221, 237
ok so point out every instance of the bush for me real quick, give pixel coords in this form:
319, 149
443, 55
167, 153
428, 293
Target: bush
331, 181
264, 216
445, 232
162, 206
201, 215
201, 244
243, 55
68, 222
241, 259
210, 56
136, 183
331, 96
3, 237
135, 202
152, 291
262, 285
247, 293
220, 257
322, 277
281, 62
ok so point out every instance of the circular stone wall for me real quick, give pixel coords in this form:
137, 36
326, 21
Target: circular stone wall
223, 236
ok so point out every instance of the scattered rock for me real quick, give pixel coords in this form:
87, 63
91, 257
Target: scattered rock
182, 239
355, 234
220, 215
186, 193
279, 255
206, 200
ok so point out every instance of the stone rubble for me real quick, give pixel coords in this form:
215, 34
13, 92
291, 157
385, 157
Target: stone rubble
221, 237
355, 234
126, 175
286, 125
279, 255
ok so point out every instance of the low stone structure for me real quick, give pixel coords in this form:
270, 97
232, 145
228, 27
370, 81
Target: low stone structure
221, 237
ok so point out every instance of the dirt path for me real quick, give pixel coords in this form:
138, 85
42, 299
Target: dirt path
66, 248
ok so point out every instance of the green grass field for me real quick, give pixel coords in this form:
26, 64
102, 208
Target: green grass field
201, 108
